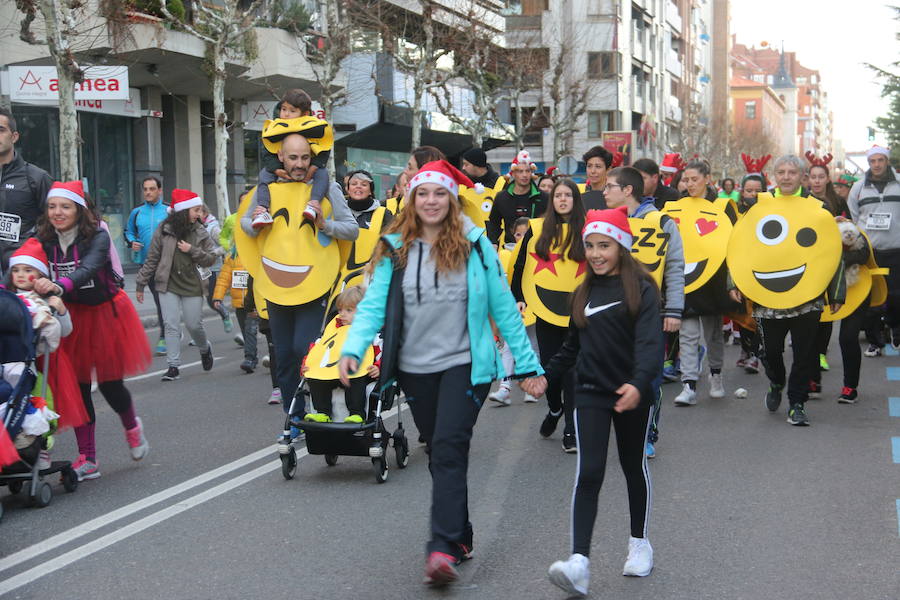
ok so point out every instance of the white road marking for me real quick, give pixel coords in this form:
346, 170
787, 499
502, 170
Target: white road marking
52, 565
161, 371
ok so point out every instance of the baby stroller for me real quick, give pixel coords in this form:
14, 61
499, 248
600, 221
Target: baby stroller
17, 355
345, 439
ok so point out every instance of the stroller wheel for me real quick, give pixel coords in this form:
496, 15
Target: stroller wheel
381, 469
401, 449
69, 479
15, 487
289, 464
331, 459
44, 495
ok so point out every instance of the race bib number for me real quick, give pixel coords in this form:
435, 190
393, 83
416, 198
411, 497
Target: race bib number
239, 279
10, 225
878, 222
66, 269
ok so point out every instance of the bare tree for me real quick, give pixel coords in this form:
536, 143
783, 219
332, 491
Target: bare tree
524, 69
227, 29
566, 96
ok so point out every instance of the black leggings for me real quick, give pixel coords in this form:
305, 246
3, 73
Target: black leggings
593, 427
851, 353
355, 396
114, 392
560, 393
267, 331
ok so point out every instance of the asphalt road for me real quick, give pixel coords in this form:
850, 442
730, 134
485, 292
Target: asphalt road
744, 505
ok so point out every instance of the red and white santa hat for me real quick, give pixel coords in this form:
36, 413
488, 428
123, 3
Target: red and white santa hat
522, 158
670, 163
183, 200
876, 149
71, 190
31, 254
441, 173
611, 222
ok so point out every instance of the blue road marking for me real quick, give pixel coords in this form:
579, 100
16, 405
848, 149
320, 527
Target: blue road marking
893, 373
895, 443
894, 407
889, 350
898, 515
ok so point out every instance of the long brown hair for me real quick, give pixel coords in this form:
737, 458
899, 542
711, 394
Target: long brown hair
85, 221
631, 273
551, 230
832, 201
449, 251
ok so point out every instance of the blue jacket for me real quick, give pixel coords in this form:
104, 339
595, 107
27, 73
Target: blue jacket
488, 295
142, 222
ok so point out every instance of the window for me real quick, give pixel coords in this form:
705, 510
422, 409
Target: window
602, 65
750, 109
600, 121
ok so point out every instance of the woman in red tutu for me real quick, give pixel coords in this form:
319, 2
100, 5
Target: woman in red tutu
108, 340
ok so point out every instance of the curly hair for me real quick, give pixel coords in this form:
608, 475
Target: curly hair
85, 220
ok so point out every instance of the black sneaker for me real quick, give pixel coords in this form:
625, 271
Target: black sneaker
773, 397
797, 416
549, 424
848, 395
206, 358
570, 446
172, 374
895, 338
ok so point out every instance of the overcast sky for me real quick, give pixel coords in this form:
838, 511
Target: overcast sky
836, 38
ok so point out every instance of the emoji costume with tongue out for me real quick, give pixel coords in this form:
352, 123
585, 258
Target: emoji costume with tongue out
784, 252
705, 228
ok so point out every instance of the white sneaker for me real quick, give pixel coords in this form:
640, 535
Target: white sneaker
529, 399
261, 220
238, 339
275, 397
687, 397
716, 386
501, 396
573, 575
43, 461
265, 361
640, 558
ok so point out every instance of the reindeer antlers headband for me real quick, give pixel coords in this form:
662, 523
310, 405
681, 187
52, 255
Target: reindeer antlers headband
815, 161
755, 166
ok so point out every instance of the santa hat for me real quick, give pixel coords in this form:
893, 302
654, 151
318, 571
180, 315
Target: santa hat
551, 172
671, 163
72, 190
876, 149
522, 158
183, 200
32, 254
442, 173
612, 222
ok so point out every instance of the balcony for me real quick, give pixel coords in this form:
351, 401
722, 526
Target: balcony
520, 22
673, 109
673, 17
673, 65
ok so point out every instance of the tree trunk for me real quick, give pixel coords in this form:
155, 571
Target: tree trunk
417, 112
220, 132
57, 20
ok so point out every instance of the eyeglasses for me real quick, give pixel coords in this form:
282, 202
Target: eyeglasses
611, 185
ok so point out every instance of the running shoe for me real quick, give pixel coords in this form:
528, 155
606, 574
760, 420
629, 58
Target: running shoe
136, 441
570, 445
751, 365
873, 351
265, 361
43, 461
815, 390
797, 416
238, 339
261, 220
206, 358
670, 372
687, 397
773, 397
529, 399
848, 395
355, 419
572, 576
171, 375
161, 347
227, 323
318, 418
548, 426
650, 450
85, 469
501, 396
742, 360
640, 558
247, 366
895, 338
823, 363
440, 569
716, 386
275, 396
466, 552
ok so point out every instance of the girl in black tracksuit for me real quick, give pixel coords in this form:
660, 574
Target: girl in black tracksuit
615, 346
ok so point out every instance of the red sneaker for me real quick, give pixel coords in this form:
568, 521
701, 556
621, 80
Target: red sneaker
440, 569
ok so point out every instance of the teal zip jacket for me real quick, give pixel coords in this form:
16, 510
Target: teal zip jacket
488, 295
142, 223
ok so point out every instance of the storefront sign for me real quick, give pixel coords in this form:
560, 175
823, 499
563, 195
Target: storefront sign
619, 141
255, 112
123, 108
41, 83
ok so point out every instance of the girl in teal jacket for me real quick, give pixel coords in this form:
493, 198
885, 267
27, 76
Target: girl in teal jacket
436, 285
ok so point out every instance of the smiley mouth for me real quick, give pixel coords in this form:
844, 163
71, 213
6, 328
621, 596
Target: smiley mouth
285, 276
780, 281
651, 267
555, 301
692, 271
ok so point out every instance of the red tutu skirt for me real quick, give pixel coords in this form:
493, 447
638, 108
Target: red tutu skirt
8, 452
67, 402
107, 340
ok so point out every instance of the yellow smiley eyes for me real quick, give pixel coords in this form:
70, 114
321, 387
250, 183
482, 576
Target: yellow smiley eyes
771, 230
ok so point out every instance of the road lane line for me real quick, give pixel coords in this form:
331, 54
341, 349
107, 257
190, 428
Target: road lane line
893, 373
49, 566
895, 448
894, 407
129, 509
898, 516
161, 371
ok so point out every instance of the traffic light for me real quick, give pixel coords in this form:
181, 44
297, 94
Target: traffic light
871, 133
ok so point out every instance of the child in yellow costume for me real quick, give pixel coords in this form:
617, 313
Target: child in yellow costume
234, 278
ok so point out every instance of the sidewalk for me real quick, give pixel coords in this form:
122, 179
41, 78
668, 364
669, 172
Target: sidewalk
147, 311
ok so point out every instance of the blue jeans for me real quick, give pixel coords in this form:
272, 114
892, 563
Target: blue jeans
293, 328
249, 328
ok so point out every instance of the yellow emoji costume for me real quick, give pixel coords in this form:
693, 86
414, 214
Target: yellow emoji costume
784, 252
705, 228
650, 244
356, 254
477, 204
318, 133
323, 357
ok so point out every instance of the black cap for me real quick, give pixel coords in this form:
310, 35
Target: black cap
476, 156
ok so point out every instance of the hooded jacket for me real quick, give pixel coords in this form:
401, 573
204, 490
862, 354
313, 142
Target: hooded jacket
508, 207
